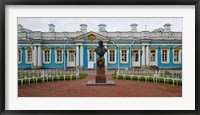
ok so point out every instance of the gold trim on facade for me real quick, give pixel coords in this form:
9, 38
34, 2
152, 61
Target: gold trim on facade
46, 48
91, 48
92, 37
71, 49
58, 48
112, 48
29, 48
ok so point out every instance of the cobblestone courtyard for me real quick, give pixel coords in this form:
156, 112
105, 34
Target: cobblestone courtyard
78, 88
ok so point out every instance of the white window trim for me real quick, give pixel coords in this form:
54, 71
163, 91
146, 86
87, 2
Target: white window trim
49, 57
138, 56
89, 56
168, 59
179, 56
125, 62
150, 55
19, 62
112, 62
56, 57
27, 57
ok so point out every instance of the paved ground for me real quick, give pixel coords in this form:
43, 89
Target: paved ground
78, 88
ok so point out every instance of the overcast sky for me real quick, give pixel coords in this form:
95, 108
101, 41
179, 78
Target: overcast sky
113, 24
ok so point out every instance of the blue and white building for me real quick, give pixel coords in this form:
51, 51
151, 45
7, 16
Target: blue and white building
126, 49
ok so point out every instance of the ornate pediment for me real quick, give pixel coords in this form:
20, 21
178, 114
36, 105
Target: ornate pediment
91, 36
91, 48
152, 48
112, 48
71, 49
124, 48
58, 48
177, 47
165, 47
46, 48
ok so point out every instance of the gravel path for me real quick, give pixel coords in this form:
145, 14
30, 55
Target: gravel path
78, 88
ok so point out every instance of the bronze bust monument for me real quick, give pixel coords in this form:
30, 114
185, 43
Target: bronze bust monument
100, 50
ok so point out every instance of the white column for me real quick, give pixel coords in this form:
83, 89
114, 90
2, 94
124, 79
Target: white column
147, 55
143, 55
77, 55
39, 56
106, 56
81, 56
35, 56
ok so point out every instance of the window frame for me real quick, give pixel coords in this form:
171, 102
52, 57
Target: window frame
179, 56
46, 62
19, 49
127, 60
115, 54
168, 54
60, 49
29, 49
154, 55
137, 54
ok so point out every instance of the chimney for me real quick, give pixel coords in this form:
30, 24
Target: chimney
51, 28
134, 27
167, 27
102, 27
83, 28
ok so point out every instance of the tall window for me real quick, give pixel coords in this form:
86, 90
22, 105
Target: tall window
124, 55
19, 56
29, 56
135, 56
46, 56
152, 55
59, 56
165, 55
71, 56
177, 55
91, 55
112, 55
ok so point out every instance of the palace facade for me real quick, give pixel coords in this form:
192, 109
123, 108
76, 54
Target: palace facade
126, 49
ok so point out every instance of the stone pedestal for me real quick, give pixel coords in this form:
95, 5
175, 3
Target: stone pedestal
100, 75
100, 70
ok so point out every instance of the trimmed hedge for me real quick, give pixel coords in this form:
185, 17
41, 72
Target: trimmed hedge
81, 76
143, 79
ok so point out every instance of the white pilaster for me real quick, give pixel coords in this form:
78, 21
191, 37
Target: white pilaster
81, 56
143, 55
147, 55
77, 55
35, 56
106, 55
39, 56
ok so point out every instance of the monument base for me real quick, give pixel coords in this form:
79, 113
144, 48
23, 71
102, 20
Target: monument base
100, 78
107, 83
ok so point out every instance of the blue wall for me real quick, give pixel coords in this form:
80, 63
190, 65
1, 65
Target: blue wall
109, 65
24, 64
170, 64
